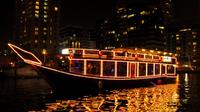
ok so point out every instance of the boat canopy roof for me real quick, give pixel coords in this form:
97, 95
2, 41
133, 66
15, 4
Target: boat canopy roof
127, 50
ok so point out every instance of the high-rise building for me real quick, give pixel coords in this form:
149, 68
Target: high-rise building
76, 37
137, 23
185, 42
37, 23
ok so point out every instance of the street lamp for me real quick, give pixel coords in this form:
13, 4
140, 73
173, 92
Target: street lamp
44, 52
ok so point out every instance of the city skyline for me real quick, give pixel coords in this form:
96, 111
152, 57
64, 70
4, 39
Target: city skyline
88, 12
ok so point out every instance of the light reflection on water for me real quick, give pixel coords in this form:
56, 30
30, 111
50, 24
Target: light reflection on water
158, 98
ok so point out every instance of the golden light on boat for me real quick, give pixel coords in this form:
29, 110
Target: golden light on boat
151, 51
177, 78
15, 48
143, 50
44, 51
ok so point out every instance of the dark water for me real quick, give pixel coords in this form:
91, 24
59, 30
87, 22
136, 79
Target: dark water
24, 95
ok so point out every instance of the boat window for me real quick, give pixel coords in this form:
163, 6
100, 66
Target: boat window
163, 69
140, 55
93, 67
109, 54
108, 68
173, 61
148, 56
106, 53
142, 69
150, 69
155, 57
133, 70
170, 69
78, 53
121, 68
77, 66
157, 69
119, 53
91, 52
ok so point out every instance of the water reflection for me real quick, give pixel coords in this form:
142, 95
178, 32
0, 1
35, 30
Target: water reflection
158, 98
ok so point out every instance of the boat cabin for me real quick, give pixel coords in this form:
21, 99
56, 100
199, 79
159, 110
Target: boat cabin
120, 63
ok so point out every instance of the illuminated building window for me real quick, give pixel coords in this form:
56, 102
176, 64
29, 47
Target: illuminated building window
178, 48
194, 43
56, 8
23, 12
143, 13
120, 9
45, 7
131, 15
45, 3
161, 27
194, 61
105, 21
45, 20
37, 2
194, 36
45, 0
155, 26
44, 29
72, 44
36, 32
36, 28
45, 16
183, 30
44, 33
36, 7
76, 44
51, 33
125, 33
74, 35
124, 16
36, 41
177, 38
79, 44
43, 41
117, 39
50, 41
36, 11
177, 35
194, 33
45, 12
36, 15
131, 28
142, 22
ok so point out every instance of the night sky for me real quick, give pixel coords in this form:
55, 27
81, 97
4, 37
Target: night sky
87, 12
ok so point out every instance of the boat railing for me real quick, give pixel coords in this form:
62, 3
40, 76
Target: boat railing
120, 55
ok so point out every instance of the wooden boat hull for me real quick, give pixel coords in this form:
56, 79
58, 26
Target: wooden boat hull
65, 82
